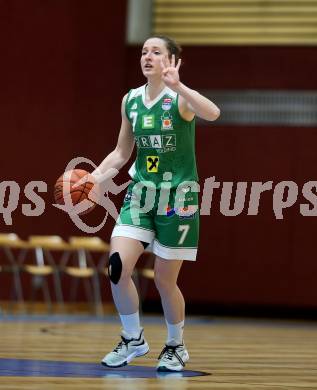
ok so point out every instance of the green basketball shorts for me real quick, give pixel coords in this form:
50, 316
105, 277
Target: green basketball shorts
166, 219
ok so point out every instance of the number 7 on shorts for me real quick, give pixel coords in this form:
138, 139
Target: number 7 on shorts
184, 229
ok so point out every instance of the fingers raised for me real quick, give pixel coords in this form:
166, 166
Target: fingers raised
173, 61
178, 64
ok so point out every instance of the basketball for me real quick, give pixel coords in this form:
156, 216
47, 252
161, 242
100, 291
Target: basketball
68, 190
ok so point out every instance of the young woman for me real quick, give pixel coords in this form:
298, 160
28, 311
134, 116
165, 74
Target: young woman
160, 118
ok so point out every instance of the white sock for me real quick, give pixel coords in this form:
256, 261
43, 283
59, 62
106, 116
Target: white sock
131, 324
175, 333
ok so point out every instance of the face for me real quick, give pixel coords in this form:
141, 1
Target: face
153, 51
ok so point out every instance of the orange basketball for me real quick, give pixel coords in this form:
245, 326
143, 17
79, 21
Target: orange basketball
67, 188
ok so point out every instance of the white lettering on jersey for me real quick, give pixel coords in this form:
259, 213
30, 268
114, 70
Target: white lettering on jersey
156, 141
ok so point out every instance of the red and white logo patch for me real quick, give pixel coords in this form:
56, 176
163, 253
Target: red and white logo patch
167, 104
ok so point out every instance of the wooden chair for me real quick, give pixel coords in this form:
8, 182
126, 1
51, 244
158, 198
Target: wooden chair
11, 246
82, 267
39, 262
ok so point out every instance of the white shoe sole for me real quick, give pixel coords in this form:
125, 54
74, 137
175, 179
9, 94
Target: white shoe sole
140, 351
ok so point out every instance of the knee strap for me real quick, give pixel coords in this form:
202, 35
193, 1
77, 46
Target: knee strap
145, 244
115, 267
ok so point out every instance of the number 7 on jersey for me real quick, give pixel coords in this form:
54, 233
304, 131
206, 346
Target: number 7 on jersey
133, 115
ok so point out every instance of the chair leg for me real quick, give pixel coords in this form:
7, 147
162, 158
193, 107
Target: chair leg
87, 288
97, 295
18, 295
36, 283
58, 288
18, 285
56, 277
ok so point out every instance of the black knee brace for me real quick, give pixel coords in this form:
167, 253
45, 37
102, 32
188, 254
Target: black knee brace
115, 267
145, 244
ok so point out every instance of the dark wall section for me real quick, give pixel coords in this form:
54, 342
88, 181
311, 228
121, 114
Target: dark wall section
62, 80
256, 259
251, 259
242, 67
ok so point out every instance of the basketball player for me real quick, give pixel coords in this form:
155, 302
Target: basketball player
159, 117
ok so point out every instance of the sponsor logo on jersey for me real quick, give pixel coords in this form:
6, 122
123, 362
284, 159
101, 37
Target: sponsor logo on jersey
169, 141
187, 211
167, 124
167, 121
135, 106
170, 211
185, 199
152, 163
167, 104
186, 189
148, 122
160, 142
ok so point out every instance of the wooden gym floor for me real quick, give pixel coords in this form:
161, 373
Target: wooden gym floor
64, 351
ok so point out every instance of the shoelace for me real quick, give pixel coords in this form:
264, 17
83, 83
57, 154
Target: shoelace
170, 351
121, 344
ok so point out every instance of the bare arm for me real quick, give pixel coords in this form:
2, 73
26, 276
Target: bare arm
123, 150
191, 102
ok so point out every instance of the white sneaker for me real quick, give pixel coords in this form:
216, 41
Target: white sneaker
127, 349
173, 358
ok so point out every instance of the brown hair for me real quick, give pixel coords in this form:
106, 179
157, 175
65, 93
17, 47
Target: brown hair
172, 46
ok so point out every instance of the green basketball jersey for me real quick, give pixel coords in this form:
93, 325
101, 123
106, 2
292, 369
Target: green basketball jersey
165, 141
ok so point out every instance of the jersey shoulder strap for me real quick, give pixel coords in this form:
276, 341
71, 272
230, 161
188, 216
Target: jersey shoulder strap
132, 94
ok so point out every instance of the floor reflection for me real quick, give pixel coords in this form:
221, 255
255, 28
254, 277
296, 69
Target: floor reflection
42, 368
